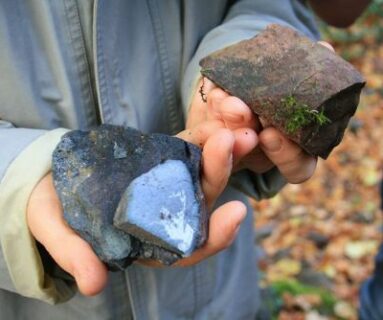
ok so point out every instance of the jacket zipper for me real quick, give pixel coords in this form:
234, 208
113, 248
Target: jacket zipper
82, 61
174, 113
101, 117
100, 114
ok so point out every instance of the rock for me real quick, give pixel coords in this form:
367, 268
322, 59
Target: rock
298, 86
160, 206
93, 171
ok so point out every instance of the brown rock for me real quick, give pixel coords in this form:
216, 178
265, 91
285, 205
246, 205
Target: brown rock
300, 87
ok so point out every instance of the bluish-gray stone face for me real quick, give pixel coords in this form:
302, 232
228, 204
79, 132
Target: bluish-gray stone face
161, 205
92, 171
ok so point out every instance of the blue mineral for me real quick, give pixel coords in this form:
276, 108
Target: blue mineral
160, 206
96, 171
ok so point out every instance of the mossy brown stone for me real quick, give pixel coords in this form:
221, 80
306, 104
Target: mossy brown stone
280, 65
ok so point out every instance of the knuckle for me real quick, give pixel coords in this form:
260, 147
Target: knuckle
216, 187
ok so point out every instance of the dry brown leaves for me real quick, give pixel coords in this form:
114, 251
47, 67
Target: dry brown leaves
331, 224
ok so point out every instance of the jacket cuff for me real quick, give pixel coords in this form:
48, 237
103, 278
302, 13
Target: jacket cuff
19, 248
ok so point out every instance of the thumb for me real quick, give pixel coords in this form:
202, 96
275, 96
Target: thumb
70, 252
217, 163
224, 225
294, 164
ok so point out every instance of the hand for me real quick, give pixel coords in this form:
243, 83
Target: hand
257, 147
224, 222
217, 163
72, 253
75, 255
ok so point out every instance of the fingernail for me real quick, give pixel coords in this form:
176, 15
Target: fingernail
272, 144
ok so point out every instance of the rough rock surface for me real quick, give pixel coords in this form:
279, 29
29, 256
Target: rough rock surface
93, 170
279, 66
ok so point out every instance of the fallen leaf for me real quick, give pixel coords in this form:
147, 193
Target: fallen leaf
345, 310
288, 267
358, 249
315, 315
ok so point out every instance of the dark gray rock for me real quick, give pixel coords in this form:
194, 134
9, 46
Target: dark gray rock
93, 169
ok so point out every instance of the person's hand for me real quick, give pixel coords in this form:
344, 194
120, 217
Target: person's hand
217, 162
257, 146
75, 255
72, 253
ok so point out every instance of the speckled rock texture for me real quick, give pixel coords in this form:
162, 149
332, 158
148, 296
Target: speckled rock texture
152, 181
279, 66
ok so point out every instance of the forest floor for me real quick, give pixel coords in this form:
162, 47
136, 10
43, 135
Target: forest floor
317, 240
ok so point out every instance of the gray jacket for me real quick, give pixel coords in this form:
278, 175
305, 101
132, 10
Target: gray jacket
74, 64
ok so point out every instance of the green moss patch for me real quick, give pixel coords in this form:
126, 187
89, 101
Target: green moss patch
298, 115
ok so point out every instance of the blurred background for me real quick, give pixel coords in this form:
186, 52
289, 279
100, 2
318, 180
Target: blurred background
316, 241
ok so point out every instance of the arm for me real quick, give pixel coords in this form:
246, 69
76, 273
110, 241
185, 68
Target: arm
339, 13
25, 155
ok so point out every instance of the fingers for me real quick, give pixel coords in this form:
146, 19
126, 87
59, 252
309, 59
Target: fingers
223, 227
214, 100
71, 253
231, 110
294, 164
217, 155
217, 162
256, 161
199, 134
198, 107
236, 116
246, 141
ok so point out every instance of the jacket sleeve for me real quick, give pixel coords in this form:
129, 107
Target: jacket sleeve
25, 158
244, 20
